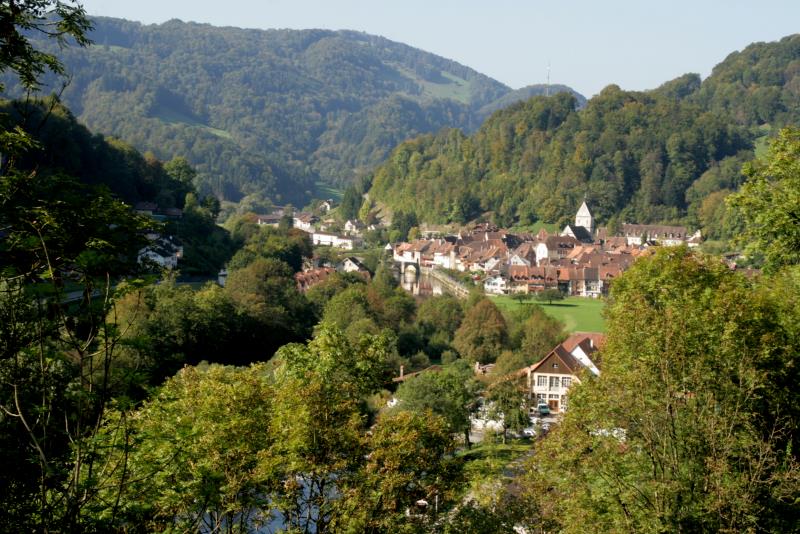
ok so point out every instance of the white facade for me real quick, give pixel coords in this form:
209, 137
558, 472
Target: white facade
584, 218
496, 285
333, 240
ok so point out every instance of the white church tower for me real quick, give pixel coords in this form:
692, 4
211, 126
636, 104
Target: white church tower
584, 218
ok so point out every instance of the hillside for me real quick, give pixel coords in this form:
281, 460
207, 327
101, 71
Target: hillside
265, 111
527, 92
667, 155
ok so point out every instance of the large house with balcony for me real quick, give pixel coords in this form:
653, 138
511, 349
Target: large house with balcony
549, 380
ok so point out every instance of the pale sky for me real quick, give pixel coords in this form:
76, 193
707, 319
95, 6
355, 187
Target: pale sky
588, 43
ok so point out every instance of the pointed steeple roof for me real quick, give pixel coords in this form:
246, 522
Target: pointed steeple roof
583, 211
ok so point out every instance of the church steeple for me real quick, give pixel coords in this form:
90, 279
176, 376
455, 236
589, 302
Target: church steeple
584, 218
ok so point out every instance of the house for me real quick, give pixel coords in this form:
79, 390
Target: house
554, 248
639, 234
172, 213
145, 208
353, 265
272, 219
327, 205
578, 232
336, 241
549, 380
495, 285
353, 227
162, 251
304, 221
311, 277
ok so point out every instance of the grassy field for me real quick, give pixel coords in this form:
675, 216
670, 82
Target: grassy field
578, 314
172, 117
324, 190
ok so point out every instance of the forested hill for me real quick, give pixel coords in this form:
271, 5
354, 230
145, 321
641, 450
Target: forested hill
667, 155
268, 111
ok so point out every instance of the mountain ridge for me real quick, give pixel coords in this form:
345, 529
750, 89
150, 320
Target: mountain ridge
266, 112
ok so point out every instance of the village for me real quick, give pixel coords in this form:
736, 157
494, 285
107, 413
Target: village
581, 260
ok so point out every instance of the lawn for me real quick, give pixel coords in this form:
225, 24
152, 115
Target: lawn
577, 313
324, 191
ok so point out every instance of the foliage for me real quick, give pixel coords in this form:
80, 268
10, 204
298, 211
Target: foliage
410, 459
673, 435
265, 292
264, 111
625, 152
757, 85
769, 202
507, 400
483, 333
189, 458
450, 394
24, 21
549, 295
287, 245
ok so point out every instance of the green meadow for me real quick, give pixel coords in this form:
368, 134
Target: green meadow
577, 313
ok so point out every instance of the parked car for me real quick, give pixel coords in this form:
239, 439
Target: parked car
529, 432
543, 409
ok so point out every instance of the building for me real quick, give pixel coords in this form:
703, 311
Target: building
305, 221
163, 252
549, 380
639, 234
336, 241
584, 218
272, 219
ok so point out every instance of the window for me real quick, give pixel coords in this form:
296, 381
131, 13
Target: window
554, 382
541, 381
555, 397
555, 366
563, 403
566, 381
541, 397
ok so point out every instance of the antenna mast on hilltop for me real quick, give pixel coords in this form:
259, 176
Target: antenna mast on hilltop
547, 87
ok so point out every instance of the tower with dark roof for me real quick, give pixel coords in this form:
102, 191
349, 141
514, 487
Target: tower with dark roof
584, 218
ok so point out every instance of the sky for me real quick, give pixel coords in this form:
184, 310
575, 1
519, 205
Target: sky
587, 44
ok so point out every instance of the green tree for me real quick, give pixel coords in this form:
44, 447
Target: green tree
57, 20
672, 436
483, 333
318, 423
507, 399
351, 204
265, 292
451, 394
194, 456
410, 459
769, 202
549, 295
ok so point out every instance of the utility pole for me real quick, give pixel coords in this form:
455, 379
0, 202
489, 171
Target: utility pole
547, 87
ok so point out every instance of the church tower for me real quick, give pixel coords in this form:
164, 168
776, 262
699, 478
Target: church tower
584, 218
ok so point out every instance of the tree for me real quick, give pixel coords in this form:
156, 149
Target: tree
265, 292
507, 398
549, 295
410, 459
351, 204
672, 435
451, 394
483, 333
58, 20
194, 456
57, 346
769, 202
318, 424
